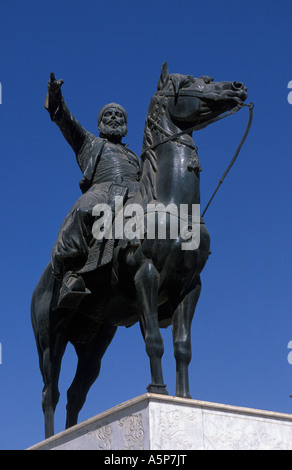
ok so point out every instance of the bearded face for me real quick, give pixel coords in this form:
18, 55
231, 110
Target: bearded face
113, 123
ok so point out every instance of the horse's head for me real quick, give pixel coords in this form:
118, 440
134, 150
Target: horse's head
197, 100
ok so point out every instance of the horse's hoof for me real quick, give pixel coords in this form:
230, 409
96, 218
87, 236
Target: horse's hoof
157, 388
184, 395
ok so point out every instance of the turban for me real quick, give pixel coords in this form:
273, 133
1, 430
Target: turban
111, 105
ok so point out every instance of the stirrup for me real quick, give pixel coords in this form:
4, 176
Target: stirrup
71, 297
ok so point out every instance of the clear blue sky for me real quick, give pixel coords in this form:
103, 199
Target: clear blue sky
112, 51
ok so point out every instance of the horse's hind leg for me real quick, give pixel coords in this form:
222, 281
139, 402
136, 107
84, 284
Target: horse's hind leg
146, 283
88, 367
50, 363
181, 328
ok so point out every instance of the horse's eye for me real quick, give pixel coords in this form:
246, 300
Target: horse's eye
186, 82
207, 79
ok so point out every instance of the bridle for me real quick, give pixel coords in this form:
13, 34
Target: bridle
171, 137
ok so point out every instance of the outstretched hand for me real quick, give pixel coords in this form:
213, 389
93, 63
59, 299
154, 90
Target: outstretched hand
54, 86
54, 93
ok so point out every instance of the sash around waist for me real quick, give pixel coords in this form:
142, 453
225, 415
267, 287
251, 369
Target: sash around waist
123, 170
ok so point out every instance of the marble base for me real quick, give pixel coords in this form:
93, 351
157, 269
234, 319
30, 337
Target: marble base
159, 422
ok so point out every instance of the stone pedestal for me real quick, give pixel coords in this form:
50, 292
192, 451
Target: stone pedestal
158, 422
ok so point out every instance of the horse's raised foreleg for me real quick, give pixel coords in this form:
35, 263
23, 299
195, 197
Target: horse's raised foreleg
88, 367
181, 328
146, 283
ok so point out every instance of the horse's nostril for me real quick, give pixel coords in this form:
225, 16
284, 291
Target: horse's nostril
237, 85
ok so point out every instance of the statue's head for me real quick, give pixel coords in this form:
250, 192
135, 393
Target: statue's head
112, 120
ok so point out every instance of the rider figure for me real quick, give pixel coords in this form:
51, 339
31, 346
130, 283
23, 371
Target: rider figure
108, 168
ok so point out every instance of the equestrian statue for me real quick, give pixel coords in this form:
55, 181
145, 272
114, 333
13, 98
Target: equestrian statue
99, 279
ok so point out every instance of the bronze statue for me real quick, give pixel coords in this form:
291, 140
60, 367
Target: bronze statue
151, 280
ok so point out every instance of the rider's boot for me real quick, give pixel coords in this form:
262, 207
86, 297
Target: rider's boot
73, 291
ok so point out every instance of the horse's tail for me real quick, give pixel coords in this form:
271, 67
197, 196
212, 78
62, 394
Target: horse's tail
32, 313
40, 311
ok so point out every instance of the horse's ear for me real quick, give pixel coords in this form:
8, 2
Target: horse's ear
164, 77
176, 79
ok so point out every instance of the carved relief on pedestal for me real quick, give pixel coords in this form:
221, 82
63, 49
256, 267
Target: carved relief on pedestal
132, 427
104, 437
174, 427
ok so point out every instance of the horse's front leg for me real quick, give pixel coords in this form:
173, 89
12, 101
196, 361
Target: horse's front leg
181, 330
146, 283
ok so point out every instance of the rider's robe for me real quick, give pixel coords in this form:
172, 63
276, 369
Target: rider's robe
108, 169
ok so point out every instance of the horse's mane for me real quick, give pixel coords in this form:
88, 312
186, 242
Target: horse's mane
147, 185
157, 107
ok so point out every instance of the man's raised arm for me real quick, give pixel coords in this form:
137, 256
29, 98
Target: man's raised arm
55, 104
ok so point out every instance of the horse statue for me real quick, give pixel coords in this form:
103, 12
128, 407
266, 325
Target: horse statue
157, 280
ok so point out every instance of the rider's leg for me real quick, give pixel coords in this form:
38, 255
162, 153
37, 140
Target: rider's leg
70, 250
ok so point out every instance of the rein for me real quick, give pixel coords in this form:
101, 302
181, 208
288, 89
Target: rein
169, 137
250, 108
